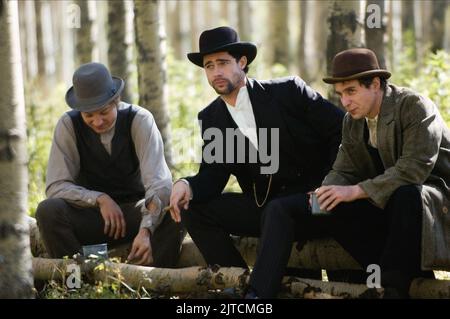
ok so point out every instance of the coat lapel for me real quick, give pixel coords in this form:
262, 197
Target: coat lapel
268, 115
358, 149
386, 130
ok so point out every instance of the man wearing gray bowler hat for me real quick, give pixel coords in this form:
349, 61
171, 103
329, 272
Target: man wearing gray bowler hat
107, 179
390, 183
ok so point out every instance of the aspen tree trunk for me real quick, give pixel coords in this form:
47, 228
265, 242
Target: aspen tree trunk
15, 257
345, 33
278, 32
84, 42
117, 46
244, 21
152, 68
194, 26
437, 25
39, 38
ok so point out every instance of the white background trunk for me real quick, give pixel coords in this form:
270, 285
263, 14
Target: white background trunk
15, 256
152, 67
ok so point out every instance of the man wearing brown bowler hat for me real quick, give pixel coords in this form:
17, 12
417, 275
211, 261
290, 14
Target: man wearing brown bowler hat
107, 179
272, 205
390, 183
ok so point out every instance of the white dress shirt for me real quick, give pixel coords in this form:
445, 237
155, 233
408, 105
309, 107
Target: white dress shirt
242, 114
372, 125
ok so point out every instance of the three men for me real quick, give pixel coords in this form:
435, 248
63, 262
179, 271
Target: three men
391, 179
107, 179
284, 118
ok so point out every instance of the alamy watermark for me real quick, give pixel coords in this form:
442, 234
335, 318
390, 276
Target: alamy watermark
229, 146
374, 279
73, 12
73, 280
374, 18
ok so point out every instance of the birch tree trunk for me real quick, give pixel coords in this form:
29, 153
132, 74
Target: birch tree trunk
152, 68
244, 22
375, 29
15, 257
194, 26
345, 33
84, 43
39, 38
303, 65
174, 33
446, 44
438, 23
117, 45
279, 36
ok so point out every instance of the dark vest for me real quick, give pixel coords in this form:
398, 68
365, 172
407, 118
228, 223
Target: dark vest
118, 174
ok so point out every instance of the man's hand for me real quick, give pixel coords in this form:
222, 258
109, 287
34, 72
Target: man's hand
181, 194
141, 250
329, 196
112, 215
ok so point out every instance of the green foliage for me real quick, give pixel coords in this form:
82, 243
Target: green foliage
43, 110
431, 80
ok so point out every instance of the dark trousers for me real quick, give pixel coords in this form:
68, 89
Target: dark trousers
65, 228
389, 237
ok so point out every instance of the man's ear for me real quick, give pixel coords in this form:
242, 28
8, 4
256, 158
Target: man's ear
243, 62
376, 83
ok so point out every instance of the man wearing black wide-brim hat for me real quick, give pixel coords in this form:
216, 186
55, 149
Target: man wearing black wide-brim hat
107, 179
285, 116
391, 177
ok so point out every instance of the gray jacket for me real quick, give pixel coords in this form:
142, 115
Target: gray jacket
414, 146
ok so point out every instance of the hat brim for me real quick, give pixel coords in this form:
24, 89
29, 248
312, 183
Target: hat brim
379, 72
246, 48
92, 105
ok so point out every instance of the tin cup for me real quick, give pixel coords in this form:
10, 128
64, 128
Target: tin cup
99, 250
315, 208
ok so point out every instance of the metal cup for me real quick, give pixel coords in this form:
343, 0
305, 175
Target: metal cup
99, 250
315, 208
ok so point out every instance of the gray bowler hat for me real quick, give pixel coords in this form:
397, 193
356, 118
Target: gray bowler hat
93, 87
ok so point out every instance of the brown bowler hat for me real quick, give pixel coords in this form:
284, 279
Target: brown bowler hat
354, 64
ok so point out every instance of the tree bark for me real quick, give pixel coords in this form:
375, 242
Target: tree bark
446, 44
345, 33
279, 34
438, 23
117, 45
244, 21
15, 257
39, 38
302, 45
84, 42
151, 67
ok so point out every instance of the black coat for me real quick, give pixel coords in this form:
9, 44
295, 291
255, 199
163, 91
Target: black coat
309, 137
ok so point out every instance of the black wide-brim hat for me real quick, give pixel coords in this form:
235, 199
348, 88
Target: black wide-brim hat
222, 39
93, 88
355, 64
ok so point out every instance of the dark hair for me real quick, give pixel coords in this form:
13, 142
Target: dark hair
237, 56
367, 81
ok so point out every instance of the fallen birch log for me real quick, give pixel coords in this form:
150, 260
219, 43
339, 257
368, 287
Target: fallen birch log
161, 280
191, 279
317, 254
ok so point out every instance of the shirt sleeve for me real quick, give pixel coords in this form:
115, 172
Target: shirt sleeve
64, 167
155, 173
